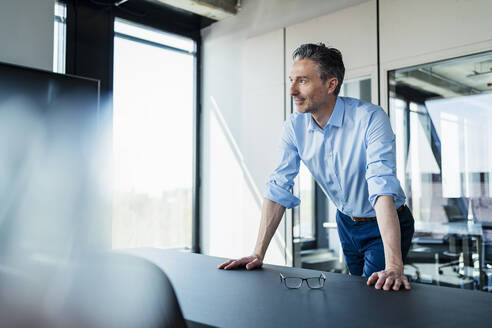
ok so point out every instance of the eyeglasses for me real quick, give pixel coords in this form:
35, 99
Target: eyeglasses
296, 282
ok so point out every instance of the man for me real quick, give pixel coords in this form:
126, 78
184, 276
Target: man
348, 146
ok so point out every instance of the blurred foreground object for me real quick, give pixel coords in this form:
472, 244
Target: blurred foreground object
105, 290
55, 222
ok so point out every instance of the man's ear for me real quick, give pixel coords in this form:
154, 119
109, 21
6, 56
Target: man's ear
332, 84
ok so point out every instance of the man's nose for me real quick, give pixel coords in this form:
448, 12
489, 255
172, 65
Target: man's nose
293, 89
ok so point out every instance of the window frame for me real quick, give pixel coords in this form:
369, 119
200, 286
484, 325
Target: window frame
59, 66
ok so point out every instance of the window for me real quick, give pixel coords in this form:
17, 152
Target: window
60, 36
357, 88
444, 158
152, 137
304, 222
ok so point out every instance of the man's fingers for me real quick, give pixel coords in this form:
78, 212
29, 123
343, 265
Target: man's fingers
406, 283
238, 263
388, 280
380, 282
397, 284
372, 279
223, 265
388, 283
231, 265
250, 262
253, 264
234, 264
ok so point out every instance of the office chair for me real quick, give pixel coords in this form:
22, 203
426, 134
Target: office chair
120, 290
445, 251
103, 290
423, 250
457, 253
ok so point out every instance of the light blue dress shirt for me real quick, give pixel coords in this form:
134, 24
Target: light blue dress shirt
352, 158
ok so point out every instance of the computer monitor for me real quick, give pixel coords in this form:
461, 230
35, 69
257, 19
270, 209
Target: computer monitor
50, 158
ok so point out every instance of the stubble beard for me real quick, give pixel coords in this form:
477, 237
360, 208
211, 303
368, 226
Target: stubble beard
313, 108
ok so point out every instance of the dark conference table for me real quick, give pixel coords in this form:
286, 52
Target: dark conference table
240, 298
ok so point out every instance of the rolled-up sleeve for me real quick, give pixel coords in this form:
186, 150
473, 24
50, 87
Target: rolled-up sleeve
380, 159
281, 181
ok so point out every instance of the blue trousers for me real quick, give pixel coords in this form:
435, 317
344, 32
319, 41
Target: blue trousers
362, 244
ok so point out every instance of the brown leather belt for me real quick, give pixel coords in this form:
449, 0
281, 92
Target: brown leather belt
398, 210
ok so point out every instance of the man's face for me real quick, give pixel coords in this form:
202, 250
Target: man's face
307, 88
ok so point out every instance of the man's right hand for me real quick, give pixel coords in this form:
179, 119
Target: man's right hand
251, 262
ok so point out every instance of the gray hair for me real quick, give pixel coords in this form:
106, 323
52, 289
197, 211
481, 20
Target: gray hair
329, 61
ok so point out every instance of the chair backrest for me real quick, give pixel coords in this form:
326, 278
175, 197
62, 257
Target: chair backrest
125, 291
454, 213
109, 290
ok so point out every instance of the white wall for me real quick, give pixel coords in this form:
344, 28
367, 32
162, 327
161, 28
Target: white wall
26, 32
240, 142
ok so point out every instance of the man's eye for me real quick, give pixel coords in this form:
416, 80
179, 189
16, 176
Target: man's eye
302, 81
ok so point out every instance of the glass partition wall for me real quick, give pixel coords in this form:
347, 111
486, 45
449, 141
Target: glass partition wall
441, 114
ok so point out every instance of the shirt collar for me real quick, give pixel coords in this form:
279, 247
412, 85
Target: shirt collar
336, 118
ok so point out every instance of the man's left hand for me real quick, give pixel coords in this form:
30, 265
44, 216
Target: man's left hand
390, 278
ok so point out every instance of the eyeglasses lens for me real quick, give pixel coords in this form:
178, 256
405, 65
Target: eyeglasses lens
315, 282
293, 282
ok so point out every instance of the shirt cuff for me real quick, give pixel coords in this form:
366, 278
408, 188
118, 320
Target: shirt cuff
384, 186
279, 195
